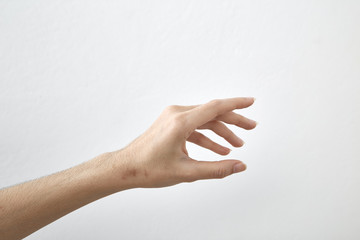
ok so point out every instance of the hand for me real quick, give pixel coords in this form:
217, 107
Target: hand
159, 157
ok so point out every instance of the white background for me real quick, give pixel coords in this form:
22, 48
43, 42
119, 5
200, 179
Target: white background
79, 78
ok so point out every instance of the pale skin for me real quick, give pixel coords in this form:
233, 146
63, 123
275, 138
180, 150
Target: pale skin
157, 158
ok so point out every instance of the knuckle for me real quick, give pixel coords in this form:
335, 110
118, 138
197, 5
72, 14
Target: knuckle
228, 135
220, 173
171, 108
212, 124
199, 138
177, 122
215, 102
179, 119
216, 125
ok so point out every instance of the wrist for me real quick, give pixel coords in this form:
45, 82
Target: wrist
109, 171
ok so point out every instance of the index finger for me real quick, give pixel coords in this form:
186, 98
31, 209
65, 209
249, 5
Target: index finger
208, 111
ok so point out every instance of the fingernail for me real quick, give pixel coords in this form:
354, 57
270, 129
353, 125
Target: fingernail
239, 167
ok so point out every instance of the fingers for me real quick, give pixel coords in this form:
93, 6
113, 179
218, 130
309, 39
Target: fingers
238, 120
204, 113
193, 170
229, 117
205, 142
224, 132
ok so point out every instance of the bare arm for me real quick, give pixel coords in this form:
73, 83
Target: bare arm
27, 207
157, 158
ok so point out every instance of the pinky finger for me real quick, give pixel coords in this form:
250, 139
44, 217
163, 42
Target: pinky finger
205, 142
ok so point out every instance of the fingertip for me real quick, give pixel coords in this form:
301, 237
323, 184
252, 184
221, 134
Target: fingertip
250, 101
225, 151
255, 123
239, 167
251, 125
245, 167
253, 99
239, 144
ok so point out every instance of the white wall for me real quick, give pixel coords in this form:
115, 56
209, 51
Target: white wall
78, 78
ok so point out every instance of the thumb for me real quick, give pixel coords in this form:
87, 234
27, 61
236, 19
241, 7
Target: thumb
196, 170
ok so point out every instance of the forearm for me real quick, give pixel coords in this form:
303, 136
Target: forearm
27, 207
